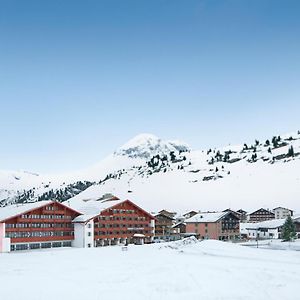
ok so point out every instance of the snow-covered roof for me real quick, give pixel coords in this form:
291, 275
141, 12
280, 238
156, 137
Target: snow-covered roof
18, 209
280, 207
265, 224
177, 224
207, 217
83, 218
91, 206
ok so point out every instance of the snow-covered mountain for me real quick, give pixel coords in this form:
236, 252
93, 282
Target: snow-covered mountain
168, 174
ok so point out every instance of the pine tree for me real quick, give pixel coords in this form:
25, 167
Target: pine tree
288, 230
291, 152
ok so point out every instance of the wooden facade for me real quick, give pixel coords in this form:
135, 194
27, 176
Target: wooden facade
261, 215
46, 226
163, 225
124, 222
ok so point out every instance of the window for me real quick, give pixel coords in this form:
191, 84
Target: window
46, 245
34, 246
89, 233
89, 225
89, 245
22, 247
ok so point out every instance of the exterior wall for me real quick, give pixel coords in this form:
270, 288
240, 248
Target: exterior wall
224, 229
163, 226
120, 223
204, 230
261, 215
282, 213
84, 235
43, 227
262, 233
4, 242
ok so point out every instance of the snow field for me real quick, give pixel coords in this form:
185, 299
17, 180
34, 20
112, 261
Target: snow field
180, 270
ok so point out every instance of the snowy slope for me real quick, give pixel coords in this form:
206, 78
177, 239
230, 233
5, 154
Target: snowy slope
165, 174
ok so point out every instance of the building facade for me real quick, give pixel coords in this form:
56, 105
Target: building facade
164, 226
214, 225
282, 212
43, 224
123, 222
261, 215
49, 224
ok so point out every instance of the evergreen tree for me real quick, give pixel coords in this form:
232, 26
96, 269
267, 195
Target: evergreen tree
269, 150
291, 152
267, 143
288, 230
274, 142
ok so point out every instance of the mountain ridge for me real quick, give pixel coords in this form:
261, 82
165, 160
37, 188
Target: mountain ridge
146, 166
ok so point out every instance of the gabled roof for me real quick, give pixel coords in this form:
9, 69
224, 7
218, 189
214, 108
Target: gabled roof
178, 224
190, 212
107, 205
282, 208
12, 211
167, 213
208, 217
92, 206
259, 210
164, 215
270, 224
15, 210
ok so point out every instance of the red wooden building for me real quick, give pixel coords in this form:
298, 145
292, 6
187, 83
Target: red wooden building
116, 222
43, 224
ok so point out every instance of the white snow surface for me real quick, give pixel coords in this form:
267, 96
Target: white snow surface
210, 270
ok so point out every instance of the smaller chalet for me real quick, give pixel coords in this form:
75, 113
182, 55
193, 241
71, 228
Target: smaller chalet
261, 215
214, 225
271, 229
243, 215
164, 226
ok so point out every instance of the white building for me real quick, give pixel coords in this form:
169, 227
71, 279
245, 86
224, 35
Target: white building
270, 229
282, 212
83, 232
4, 242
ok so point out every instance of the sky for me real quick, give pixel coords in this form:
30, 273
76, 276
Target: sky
80, 78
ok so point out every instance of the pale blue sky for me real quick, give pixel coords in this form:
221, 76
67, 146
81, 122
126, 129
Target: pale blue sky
80, 78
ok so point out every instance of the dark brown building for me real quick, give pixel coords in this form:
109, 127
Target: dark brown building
261, 215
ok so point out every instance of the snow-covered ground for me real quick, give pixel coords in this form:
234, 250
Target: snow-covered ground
274, 244
190, 270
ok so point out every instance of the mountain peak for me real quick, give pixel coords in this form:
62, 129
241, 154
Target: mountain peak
147, 145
